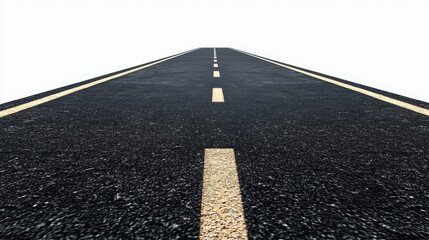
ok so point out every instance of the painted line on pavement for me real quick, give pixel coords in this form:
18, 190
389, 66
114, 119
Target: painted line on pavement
39, 101
214, 53
217, 95
222, 215
215, 60
216, 74
378, 96
215, 65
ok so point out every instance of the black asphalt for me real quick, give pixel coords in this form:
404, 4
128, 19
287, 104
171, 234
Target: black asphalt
124, 159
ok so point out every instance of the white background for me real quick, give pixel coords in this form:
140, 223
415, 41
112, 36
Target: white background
47, 44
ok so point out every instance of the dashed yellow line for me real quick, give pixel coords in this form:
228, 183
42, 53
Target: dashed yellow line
39, 101
215, 65
378, 96
217, 95
216, 74
222, 215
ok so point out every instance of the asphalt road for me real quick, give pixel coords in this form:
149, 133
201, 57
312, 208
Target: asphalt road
124, 159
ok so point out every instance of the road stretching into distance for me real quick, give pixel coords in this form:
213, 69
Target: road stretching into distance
211, 144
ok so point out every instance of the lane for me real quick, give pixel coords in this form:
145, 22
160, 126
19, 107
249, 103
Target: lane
125, 159
319, 161
119, 160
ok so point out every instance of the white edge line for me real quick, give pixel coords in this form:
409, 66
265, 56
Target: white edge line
24, 106
381, 97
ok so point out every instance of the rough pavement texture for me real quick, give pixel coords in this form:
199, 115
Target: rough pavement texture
124, 159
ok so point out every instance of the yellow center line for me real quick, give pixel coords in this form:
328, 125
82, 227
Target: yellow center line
216, 74
215, 65
217, 95
39, 101
378, 96
222, 215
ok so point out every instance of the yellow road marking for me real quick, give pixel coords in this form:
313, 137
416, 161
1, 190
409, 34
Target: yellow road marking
222, 215
378, 96
217, 95
216, 74
215, 65
39, 101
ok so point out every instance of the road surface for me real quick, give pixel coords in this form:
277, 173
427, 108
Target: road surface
160, 151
